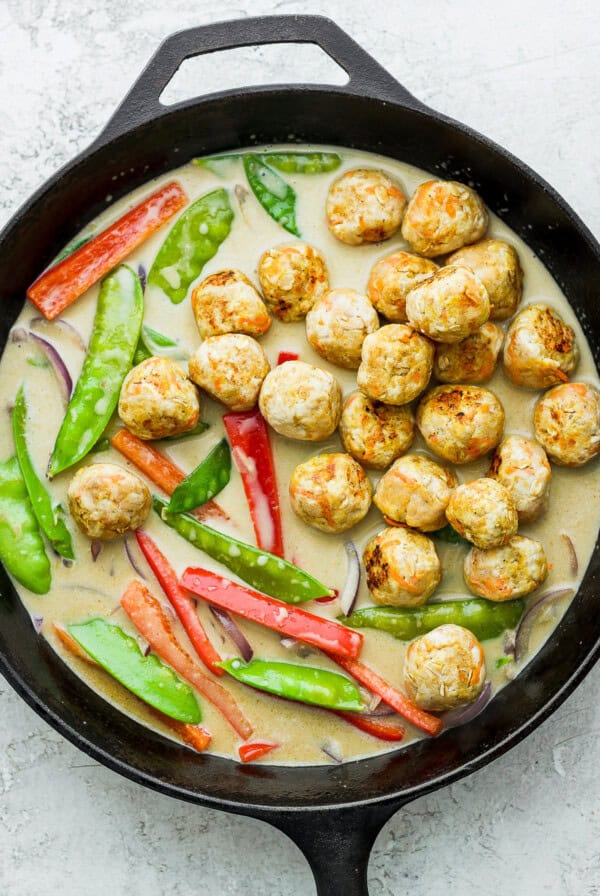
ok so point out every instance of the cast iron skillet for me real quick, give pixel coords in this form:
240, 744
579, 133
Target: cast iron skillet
333, 814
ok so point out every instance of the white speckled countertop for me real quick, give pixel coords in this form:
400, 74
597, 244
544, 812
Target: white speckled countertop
525, 74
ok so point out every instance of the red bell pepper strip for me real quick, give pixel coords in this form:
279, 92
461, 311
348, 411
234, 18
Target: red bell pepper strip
180, 602
250, 752
60, 285
379, 728
159, 469
251, 451
287, 356
150, 619
375, 683
272, 613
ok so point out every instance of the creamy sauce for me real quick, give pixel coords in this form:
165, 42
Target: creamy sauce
90, 589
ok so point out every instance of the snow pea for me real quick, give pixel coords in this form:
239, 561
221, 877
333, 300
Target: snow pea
21, 544
193, 240
150, 343
70, 248
263, 571
301, 162
145, 676
307, 684
276, 196
110, 352
198, 429
449, 535
482, 617
207, 480
48, 516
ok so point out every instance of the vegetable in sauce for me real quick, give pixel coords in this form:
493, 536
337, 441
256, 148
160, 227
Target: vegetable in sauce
21, 545
207, 480
276, 196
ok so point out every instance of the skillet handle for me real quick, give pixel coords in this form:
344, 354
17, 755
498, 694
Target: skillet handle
366, 76
337, 844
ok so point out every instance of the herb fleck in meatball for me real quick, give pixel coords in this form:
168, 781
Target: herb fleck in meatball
292, 277
364, 206
443, 216
396, 364
512, 570
483, 512
227, 302
460, 423
445, 668
301, 401
337, 324
391, 279
567, 423
231, 368
540, 348
415, 491
157, 400
522, 467
497, 265
403, 568
473, 360
375, 433
449, 306
330, 492
107, 501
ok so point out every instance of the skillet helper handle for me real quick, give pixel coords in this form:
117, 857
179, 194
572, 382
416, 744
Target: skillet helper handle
366, 76
337, 844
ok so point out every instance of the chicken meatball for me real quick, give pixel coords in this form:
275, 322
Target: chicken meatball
540, 348
460, 423
231, 368
449, 306
473, 360
522, 467
512, 570
443, 216
497, 265
375, 433
337, 324
330, 492
444, 669
364, 206
390, 280
301, 401
227, 302
106, 501
292, 277
396, 364
483, 512
157, 400
567, 423
403, 568
416, 491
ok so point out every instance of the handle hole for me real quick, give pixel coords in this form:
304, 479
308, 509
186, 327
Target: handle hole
252, 66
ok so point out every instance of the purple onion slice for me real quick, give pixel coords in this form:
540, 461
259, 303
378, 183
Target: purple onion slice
525, 626
573, 561
234, 632
132, 560
37, 621
40, 323
463, 714
332, 751
143, 275
95, 548
58, 365
349, 592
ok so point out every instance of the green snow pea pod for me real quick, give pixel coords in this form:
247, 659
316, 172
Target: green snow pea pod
21, 545
261, 570
301, 162
48, 516
482, 617
108, 360
206, 481
307, 684
150, 343
449, 535
145, 676
198, 429
276, 197
193, 240
218, 164
70, 248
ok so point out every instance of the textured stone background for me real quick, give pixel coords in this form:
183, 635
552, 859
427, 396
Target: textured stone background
524, 73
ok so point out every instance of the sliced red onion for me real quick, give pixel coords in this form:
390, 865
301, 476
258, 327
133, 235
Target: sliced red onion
463, 714
350, 590
525, 626
95, 548
234, 632
40, 323
241, 193
58, 365
573, 561
147, 650
333, 752
132, 560
380, 711
37, 621
142, 275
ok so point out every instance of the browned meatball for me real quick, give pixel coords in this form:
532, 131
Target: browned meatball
375, 433
107, 501
443, 216
473, 360
444, 668
503, 573
157, 400
460, 423
483, 512
403, 568
337, 324
396, 364
391, 279
415, 491
540, 348
330, 492
292, 277
227, 302
522, 467
449, 306
567, 423
231, 368
496, 263
301, 401
364, 206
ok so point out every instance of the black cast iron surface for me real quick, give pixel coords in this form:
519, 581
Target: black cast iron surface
333, 813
